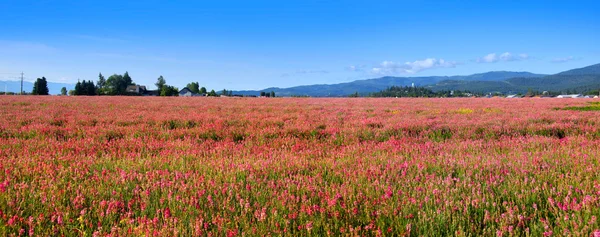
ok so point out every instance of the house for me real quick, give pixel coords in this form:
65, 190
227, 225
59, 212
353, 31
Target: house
513, 96
187, 92
141, 90
570, 96
137, 89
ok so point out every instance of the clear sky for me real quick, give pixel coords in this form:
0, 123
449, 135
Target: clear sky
259, 44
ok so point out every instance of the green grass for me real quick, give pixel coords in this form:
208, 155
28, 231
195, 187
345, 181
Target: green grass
593, 106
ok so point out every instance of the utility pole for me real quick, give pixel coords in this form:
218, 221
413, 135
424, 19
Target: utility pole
21, 83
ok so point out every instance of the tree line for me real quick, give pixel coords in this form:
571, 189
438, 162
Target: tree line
117, 84
409, 91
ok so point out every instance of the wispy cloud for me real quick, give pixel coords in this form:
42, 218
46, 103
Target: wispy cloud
563, 60
505, 57
389, 67
23, 47
147, 58
100, 39
135, 57
301, 72
312, 72
356, 68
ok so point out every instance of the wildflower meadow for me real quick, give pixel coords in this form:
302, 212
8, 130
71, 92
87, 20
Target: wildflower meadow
139, 166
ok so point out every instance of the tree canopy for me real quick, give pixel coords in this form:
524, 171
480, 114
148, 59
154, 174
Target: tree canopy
117, 84
40, 87
160, 82
169, 91
101, 84
194, 87
85, 88
408, 91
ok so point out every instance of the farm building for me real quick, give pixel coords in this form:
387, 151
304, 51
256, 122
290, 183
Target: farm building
141, 90
570, 96
187, 92
135, 89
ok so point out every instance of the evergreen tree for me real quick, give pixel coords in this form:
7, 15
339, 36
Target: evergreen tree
90, 88
160, 82
212, 93
203, 90
100, 84
127, 79
35, 87
262, 93
78, 88
63, 91
272, 93
40, 87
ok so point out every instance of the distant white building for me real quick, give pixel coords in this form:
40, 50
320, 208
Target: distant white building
570, 96
513, 96
135, 89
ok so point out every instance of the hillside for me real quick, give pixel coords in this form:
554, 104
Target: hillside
374, 85
589, 70
577, 80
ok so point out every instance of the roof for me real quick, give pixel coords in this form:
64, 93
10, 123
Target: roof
570, 96
131, 88
185, 90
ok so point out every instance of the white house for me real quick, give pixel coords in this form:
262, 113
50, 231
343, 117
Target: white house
570, 96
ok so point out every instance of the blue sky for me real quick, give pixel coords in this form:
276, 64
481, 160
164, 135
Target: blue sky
259, 44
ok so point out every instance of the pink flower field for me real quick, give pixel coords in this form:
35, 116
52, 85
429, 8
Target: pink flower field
123, 166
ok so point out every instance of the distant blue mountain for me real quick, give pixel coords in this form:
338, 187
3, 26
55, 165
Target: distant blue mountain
589, 70
15, 86
577, 80
378, 84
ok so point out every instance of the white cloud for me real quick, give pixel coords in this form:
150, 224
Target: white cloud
563, 60
490, 58
312, 72
305, 72
148, 58
505, 57
389, 67
356, 68
21, 47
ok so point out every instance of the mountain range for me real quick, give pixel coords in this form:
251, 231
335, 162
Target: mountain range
378, 84
576, 80
579, 80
